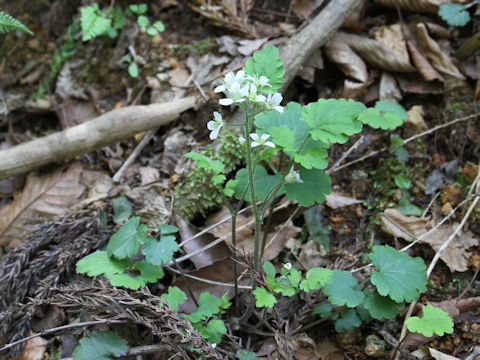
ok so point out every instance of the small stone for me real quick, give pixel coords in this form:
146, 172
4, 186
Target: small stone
415, 119
374, 346
34, 44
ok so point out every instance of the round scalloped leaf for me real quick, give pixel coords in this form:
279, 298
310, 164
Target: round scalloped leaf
160, 252
148, 274
381, 307
99, 263
332, 120
264, 183
100, 346
267, 63
378, 120
344, 289
126, 241
316, 278
174, 297
264, 298
397, 274
385, 106
454, 14
208, 305
348, 321
434, 321
316, 185
290, 132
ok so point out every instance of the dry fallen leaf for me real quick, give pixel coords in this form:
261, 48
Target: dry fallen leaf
377, 53
340, 53
427, 71
156, 208
429, 6
439, 60
34, 349
415, 119
44, 196
438, 355
207, 257
411, 228
305, 8
336, 200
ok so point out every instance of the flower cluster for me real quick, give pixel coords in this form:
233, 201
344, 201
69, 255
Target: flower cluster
240, 87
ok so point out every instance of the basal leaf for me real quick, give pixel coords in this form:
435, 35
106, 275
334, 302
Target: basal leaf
174, 297
322, 310
126, 241
332, 120
246, 355
434, 321
283, 137
148, 273
166, 229
348, 321
454, 14
267, 63
316, 278
213, 331
269, 269
264, 298
316, 185
99, 263
100, 346
294, 277
381, 307
208, 305
397, 275
344, 289
264, 183
160, 252
389, 106
402, 181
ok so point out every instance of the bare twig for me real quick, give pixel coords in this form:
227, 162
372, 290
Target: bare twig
426, 132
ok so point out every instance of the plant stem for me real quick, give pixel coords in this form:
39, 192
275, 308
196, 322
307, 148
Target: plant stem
319, 321
258, 217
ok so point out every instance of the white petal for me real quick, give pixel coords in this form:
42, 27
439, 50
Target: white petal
226, 101
217, 116
260, 98
269, 143
219, 88
279, 109
254, 144
254, 137
212, 125
265, 137
241, 140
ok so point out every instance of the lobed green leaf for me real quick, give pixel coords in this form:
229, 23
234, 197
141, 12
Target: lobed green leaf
344, 289
267, 63
434, 321
100, 346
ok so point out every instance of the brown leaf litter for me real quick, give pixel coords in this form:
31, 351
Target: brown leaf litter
410, 228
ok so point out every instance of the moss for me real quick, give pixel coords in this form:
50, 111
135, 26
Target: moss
197, 194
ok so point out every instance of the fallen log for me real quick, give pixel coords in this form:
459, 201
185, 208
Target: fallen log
102, 131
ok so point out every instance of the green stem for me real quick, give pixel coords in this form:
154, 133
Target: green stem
258, 218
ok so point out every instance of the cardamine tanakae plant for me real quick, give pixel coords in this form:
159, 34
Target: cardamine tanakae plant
285, 150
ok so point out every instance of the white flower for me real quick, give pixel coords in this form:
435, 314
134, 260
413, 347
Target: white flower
237, 94
261, 141
259, 82
253, 94
273, 102
241, 140
287, 266
230, 79
293, 177
215, 125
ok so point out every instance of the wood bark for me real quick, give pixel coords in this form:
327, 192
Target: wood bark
301, 45
102, 131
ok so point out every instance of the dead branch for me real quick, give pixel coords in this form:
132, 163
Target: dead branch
302, 45
102, 131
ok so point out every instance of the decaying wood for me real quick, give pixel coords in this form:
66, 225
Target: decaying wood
102, 131
302, 45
